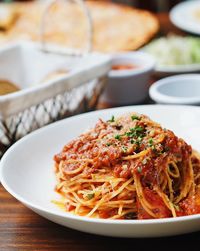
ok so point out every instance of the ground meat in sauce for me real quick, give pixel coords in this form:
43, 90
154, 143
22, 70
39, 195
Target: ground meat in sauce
112, 141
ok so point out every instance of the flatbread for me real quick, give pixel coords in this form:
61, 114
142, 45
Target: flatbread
8, 15
116, 27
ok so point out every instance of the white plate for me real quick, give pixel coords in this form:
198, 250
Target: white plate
27, 171
183, 16
168, 70
176, 69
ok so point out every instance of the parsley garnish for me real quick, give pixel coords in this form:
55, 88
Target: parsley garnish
135, 132
90, 196
118, 137
129, 134
150, 142
108, 144
112, 119
134, 117
138, 141
124, 149
139, 169
139, 129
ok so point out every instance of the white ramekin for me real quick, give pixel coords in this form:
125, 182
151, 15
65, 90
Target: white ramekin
129, 86
179, 89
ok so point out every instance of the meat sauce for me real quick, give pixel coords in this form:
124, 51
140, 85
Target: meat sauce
109, 142
119, 67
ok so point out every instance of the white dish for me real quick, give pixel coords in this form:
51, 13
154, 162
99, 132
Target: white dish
129, 86
26, 171
176, 69
180, 89
183, 16
174, 54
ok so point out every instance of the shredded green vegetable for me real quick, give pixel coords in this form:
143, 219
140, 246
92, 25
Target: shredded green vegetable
175, 50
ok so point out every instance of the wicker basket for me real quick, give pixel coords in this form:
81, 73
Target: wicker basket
31, 108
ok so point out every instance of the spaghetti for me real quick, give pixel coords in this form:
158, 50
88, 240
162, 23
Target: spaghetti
129, 168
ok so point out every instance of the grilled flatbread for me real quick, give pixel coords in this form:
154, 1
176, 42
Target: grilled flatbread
8, 15
116, 27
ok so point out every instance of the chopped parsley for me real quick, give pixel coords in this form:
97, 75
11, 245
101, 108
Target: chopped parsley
137, 142
151, 142
134, 117
90, 196
139, 139
118, 137
108, 144
112, 119
152, 145
124, 149
129, 134
137, 131
139, 169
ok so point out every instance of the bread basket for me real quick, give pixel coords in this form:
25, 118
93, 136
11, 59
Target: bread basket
40, 102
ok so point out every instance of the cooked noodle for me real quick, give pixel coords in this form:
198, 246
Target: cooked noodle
129, 168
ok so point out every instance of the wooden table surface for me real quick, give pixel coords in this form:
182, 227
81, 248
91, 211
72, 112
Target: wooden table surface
21, 229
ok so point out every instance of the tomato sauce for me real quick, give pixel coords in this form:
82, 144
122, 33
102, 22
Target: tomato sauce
119, 67
159, 208
110, 144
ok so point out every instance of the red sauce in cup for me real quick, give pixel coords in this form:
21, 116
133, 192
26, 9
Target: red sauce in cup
119, 67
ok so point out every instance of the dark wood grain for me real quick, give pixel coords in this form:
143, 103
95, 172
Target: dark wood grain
166, 27
21, 229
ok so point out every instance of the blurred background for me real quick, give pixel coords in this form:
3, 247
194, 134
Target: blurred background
174, 47
153, 5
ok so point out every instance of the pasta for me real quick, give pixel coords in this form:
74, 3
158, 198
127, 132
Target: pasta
128, 168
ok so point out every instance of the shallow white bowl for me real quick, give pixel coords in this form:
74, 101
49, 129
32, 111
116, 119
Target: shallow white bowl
26, 171
164, 71
182, 16
129, 86
180, 89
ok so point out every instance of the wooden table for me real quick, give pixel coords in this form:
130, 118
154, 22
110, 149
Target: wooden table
21, 229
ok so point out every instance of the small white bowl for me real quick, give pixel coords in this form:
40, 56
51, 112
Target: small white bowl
180, 89
129, 86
